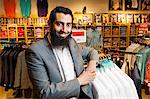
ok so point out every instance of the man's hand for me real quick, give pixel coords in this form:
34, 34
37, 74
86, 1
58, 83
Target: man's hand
86, 77
91, 66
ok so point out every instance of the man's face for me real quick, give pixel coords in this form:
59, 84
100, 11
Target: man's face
62, 25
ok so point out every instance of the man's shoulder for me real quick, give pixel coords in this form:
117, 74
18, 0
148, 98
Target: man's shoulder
72, 40
38, 44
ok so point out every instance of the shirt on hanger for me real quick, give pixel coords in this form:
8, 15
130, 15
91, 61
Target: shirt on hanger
25, 6
94, 38
10, 7
42, 6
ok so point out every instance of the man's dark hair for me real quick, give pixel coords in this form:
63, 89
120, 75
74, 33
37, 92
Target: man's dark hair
58, 9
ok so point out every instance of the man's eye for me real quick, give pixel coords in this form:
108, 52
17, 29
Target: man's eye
69, 25
59, 24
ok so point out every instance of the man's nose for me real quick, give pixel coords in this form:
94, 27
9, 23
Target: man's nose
64, 29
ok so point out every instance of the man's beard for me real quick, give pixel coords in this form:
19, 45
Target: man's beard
59, 41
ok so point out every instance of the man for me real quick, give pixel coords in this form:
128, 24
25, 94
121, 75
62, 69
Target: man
55, 64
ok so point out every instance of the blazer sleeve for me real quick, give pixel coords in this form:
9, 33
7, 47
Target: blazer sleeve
41, 82
89, 53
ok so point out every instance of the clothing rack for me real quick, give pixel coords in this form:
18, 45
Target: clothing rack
144, 44
20, 43
140, 41
121, 51
15, 45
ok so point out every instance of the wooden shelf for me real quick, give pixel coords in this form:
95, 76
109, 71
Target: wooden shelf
132, 35
123, 36
12, 37
39, 37
107, 36
107, 46
30, 37
106, 29
3, 37
115, 36
21, 37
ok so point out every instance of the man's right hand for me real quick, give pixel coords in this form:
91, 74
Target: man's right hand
86, 77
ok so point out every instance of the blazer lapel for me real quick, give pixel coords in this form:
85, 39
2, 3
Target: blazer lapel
77, 59
50, 52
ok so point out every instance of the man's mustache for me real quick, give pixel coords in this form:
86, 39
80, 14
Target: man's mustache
61, 32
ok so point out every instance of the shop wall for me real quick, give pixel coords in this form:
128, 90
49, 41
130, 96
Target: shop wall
92, 6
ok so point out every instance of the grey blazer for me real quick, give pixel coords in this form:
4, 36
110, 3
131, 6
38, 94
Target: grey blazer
45, 75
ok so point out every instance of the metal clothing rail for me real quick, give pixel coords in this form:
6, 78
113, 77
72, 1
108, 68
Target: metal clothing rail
144, 44
20, 43
121, 51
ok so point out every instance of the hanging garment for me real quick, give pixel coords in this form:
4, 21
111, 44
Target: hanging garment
11, 68
111, 88
100, 91
129, 81
94, 38
6, 68
141, 62
134, 4
25, 6
1, 66
10, 6
136, 80
120, 85
126, 84
126, 80
8, 61
148, 70
21, 74
115, 81
116, 5
130, 59
42, 6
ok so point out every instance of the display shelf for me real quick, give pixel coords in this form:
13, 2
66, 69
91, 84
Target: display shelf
115, 36
113, 24
38, 32
21, 37
133, 35
123, 36
23, 32
3, 37
30, 37
107, 46
107, 36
